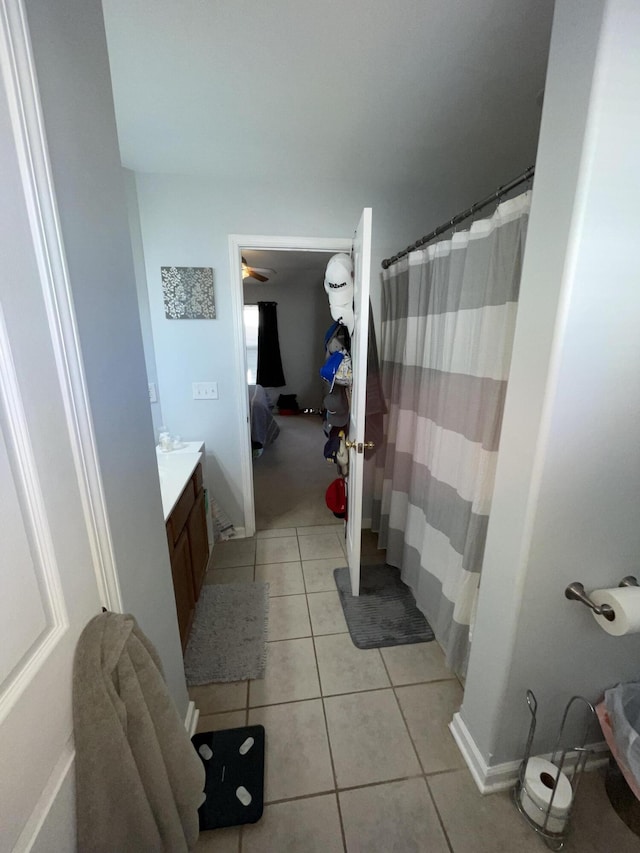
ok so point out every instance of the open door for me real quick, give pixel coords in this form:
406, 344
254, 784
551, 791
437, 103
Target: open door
48, 549
356, 443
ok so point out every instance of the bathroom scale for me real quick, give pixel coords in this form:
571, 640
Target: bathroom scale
233, 760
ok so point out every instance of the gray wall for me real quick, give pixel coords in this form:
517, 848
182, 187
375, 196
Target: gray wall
567, 488
73, 73
303, 318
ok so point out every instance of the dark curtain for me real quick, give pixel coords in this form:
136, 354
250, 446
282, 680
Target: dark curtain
270, 374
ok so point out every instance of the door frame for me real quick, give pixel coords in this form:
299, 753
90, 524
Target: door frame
238, 243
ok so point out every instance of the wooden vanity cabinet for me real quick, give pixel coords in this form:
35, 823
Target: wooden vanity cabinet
183, 586
198, 542
188, 550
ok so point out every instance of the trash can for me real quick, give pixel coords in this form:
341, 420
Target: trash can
619, 716
624, 801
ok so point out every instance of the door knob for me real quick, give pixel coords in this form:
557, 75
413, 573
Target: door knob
360, 446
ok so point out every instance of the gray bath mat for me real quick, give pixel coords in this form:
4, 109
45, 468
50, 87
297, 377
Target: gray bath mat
385, 612
228, 638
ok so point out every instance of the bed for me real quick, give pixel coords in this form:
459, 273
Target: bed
264, 429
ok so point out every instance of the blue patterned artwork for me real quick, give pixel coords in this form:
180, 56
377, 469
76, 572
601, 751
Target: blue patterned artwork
188, 293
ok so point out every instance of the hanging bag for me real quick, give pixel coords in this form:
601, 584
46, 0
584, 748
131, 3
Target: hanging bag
330, 367
344, 373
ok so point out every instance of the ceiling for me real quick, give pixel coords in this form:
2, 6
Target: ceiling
384, 92
291, 267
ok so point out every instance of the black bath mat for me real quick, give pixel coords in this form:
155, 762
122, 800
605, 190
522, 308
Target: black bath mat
385, 612
227, 770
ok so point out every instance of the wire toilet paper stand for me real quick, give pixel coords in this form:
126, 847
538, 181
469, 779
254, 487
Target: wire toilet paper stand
551, 819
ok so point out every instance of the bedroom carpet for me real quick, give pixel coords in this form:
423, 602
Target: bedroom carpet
229, 634
292, 475
385, 612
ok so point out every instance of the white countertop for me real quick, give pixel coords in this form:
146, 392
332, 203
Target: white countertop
175, 469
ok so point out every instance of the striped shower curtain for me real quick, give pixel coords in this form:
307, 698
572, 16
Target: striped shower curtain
448, 318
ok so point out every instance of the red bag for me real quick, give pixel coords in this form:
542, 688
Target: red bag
336, 497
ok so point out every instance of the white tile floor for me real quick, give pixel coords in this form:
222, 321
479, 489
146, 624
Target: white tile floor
359, 755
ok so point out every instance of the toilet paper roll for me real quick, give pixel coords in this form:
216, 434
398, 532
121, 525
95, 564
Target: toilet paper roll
626, 605
539, 780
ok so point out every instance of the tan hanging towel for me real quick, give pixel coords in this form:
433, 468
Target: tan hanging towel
139, 781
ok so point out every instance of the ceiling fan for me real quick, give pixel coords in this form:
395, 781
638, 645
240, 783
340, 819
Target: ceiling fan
258, 273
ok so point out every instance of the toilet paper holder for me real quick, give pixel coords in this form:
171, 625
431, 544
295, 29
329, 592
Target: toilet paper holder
575, 592
567, 762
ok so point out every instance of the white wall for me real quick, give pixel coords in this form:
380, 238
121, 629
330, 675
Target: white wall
567, 488
303, 318
71, 60
143, 295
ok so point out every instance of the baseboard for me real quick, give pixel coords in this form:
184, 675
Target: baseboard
191, 719
241, 532
500, 777
478, 767
366, 524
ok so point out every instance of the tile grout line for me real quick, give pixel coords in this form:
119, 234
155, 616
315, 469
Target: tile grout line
330, 696
404, 720
326, 727
348, 788
415, 749
439, 816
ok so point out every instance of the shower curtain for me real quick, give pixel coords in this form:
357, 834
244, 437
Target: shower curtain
448, 318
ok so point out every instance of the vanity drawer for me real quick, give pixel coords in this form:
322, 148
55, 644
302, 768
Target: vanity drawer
180, 513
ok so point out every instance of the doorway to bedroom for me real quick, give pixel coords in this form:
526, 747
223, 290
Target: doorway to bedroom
290, 474
286, 474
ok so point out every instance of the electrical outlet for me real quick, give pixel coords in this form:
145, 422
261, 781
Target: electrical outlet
153, 395
205, 390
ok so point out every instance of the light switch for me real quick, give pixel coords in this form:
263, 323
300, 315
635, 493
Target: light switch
153, 396
205, 390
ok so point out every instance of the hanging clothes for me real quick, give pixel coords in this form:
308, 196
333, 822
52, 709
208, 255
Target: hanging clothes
269, 373
449, 315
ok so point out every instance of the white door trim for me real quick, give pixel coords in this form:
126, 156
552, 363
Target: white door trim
237, 244
18, 70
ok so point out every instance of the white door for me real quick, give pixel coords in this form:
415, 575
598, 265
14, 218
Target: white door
48, 555
362, 275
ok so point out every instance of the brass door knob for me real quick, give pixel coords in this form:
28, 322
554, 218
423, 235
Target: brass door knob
360, 446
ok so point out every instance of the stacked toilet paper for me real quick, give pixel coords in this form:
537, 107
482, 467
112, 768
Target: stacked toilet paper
537, 791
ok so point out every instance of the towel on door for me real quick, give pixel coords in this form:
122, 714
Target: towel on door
139, 781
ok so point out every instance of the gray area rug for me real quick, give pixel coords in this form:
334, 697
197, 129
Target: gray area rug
229, 634
385, 613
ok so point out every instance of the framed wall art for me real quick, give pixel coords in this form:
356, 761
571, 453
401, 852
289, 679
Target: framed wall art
188, 293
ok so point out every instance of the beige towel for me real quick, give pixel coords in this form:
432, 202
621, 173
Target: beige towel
139, 780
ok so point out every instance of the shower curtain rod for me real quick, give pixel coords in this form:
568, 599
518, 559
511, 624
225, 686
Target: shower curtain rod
501, 191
